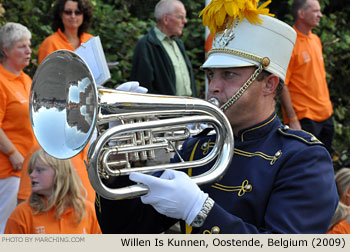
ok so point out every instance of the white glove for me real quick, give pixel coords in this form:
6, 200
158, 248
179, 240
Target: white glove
132, 86
174, 194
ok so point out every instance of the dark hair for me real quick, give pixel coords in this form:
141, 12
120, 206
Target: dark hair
83, 5
297, 5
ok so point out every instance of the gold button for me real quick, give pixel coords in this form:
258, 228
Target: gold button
313, 139
278, 154
248, 187
265, 62
215, 230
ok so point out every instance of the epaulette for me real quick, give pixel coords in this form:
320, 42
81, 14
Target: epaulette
301, 135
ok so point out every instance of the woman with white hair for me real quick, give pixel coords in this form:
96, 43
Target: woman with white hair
342, 180
340, 223
16, 135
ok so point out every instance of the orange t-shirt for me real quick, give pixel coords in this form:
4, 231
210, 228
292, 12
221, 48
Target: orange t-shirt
342, 227
25, 187
24, 221
306, 79
14, 116
58, 41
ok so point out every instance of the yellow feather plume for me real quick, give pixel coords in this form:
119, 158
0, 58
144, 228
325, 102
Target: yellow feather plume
219, 13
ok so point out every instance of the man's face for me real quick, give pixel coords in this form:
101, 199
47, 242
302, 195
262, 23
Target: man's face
176, 21
224, 83
312, 15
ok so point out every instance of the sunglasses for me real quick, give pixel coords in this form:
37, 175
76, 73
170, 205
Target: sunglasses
70, 12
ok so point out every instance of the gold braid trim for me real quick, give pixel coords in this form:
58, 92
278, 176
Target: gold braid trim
264, 61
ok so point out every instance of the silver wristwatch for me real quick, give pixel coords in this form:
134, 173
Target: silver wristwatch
203, 213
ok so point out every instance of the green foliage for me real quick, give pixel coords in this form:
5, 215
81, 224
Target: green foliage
119, 31
120, 23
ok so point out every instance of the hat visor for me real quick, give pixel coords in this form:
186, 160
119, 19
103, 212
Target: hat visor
221, 60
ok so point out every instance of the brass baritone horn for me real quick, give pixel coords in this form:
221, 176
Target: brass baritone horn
66, 108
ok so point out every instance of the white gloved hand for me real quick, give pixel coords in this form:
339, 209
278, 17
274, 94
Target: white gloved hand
132, 86
174, 194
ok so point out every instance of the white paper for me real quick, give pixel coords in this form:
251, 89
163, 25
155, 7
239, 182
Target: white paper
92, 53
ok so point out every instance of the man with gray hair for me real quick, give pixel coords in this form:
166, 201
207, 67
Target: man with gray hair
160, 62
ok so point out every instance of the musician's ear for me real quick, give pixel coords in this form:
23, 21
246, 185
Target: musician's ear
270, 84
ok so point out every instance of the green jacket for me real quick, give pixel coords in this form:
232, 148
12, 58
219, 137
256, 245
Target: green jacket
152, 66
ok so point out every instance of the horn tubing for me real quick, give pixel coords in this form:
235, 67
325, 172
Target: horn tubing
65, 100
210, 176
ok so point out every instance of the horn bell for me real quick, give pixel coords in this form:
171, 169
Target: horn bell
62, 104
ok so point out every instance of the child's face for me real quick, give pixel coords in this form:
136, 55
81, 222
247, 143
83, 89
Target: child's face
42, 179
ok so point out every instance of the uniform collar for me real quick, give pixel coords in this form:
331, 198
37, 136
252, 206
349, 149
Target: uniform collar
259, 130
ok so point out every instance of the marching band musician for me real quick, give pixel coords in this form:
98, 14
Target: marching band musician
279, 181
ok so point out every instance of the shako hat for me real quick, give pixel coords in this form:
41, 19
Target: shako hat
247, 35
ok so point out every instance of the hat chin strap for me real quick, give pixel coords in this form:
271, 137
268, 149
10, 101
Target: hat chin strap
242, 89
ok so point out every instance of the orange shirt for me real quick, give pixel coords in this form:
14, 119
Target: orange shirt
14, 116
25, 187
58, 41
342, 227
80, 168
24, 221
306, 79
